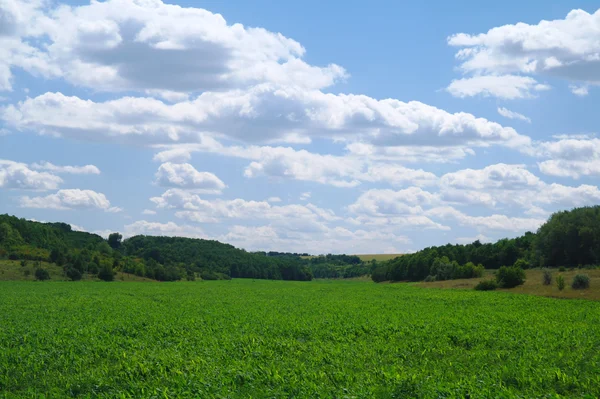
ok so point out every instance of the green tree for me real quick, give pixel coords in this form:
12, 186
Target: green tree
114, 240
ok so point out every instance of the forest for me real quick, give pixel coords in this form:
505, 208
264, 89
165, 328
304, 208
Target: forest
568, 238
161, 258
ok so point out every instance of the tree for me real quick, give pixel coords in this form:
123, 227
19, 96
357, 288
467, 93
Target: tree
106, 273
42, 274
114, 240
73, 274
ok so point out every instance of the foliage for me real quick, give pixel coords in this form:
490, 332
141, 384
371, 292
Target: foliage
73, 274
560, 283
580, 282
547, 277
486, 285
562, 269
114, 240
510, 276
106, 273
42, 274
430, 279
272, 339
570, 238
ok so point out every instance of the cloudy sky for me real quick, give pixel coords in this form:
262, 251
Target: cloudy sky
308, 126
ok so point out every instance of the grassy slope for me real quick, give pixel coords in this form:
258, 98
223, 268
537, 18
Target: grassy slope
533, 284
244, 338
11, 270
377, 257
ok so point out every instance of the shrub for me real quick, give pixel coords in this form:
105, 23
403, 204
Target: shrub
26, 272
561, 269
23, 263
509, 277
486, 285
522, 263
547, 277
429, 279
74, 274
106, 273
42, 274
560, 283
580, 282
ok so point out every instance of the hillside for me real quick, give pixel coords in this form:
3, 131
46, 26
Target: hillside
159, 258
568, 238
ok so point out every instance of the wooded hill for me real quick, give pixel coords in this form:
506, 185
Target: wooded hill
161, 258
568, 238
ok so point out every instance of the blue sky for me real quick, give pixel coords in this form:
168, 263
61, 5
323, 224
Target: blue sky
299, 126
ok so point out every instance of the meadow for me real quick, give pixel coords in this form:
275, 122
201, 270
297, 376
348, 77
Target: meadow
282, 339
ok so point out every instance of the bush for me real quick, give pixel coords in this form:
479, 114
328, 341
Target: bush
23, 263
510, 277
26, 272
42, 274
580, 282
106, 274
522, 263
73, 274
429, 279
486, 285
562, 269
560, 283
547, 277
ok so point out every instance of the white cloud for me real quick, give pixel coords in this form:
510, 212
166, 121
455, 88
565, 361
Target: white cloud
305, 196
580, 91
571, 157
149, 46
486, 223
468, 240
503, 86
565, 48
259, 114
507, 113
185, 176
148, 212
16, 175
274, 199
70, 199
77, 170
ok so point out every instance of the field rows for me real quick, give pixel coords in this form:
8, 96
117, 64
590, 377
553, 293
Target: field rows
274, 339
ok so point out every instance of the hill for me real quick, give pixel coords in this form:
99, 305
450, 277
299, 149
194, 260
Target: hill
568, 238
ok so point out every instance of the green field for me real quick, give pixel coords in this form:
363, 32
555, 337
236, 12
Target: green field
275, 339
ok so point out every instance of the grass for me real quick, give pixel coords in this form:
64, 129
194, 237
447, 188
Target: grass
11, 270
534, 284
275, 339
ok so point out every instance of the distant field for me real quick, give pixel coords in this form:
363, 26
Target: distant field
276, 339
366, 258
533, 284
378, 257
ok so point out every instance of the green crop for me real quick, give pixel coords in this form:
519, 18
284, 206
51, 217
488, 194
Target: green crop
275, 339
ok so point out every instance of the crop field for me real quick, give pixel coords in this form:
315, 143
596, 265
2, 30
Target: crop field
276, 339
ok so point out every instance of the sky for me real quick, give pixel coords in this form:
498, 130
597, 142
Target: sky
320, 127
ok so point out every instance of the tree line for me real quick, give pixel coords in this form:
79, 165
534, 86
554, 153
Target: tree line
568, 238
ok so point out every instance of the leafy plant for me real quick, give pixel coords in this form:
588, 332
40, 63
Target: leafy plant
42, 274
486, 285
560, 283
510, 276
580, 282
547, 277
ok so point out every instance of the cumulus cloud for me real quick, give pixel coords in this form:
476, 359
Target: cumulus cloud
571, 157
76, 170
512, 185
148, 212
70, 199
502, 86
566, 48
274, 199
185, 176
16, 175
507, 113
259, 114
149, 46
